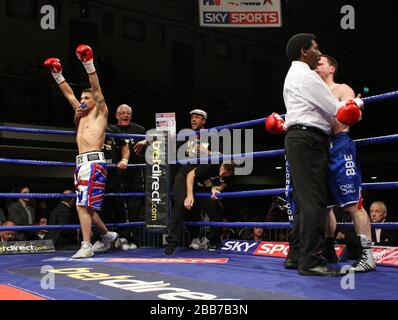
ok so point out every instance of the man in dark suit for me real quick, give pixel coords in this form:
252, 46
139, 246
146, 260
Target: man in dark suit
21, 213
39, 234
63, 214
382, 237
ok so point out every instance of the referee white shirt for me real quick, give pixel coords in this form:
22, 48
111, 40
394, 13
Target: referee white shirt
308, 99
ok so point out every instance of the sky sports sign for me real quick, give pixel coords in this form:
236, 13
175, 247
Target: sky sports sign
266, 248
243, 14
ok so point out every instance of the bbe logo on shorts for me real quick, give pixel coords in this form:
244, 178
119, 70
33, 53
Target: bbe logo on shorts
349, 165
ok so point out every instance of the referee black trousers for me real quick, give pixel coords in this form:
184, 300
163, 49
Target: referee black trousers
306, 152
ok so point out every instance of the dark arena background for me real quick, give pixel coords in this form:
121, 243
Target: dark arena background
155, 56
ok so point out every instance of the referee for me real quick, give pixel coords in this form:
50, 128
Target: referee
311, 110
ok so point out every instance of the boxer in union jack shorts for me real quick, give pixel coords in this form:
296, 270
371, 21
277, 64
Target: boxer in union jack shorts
91, 115
90, 179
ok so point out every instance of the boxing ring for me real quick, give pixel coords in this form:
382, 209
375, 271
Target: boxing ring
146, 274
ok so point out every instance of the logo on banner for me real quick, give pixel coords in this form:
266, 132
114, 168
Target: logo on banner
156, 182
33, 246
228, 13
386, 255
238, 246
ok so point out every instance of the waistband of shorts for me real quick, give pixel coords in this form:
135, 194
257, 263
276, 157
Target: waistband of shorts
91, 156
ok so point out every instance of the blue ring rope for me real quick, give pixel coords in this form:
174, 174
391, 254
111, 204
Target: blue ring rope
235, 194
266, 225
68, 133
57, 163
258, 154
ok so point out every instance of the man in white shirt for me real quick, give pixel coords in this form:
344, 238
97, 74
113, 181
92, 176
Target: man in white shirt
311, 113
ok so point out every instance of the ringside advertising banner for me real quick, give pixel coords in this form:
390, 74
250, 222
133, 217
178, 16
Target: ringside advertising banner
265, 248
243, 14
34, 246
387, 256
156, 182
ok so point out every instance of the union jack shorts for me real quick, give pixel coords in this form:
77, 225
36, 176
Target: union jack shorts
90, 179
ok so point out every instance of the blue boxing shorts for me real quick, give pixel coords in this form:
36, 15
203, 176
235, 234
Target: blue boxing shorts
344, 176
90, 179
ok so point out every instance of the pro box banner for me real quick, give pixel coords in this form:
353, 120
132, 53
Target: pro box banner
156, 182
267, 249
244, 14
20, 247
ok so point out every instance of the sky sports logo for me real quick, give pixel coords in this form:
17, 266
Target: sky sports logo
256, 13
238, 18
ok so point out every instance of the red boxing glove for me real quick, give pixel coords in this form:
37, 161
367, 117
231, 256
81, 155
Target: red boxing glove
349, 114
85, 55
54, 64
275, 124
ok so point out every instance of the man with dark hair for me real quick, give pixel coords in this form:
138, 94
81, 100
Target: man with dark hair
90, 172
344, 176
311, 112
22, 213
193, 149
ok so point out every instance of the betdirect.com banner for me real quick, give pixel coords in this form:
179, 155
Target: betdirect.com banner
243, 14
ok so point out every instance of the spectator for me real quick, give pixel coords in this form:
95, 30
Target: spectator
382, 237
40, 234
133, 180
204, 177
193, 148
41, 210
7, 235
63, 214
21, 213
254, 233
277, 210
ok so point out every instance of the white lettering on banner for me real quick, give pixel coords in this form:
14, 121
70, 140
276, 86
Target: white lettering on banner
17, 248
247, 13
273, 249
214, 17
238, 246
125, 282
